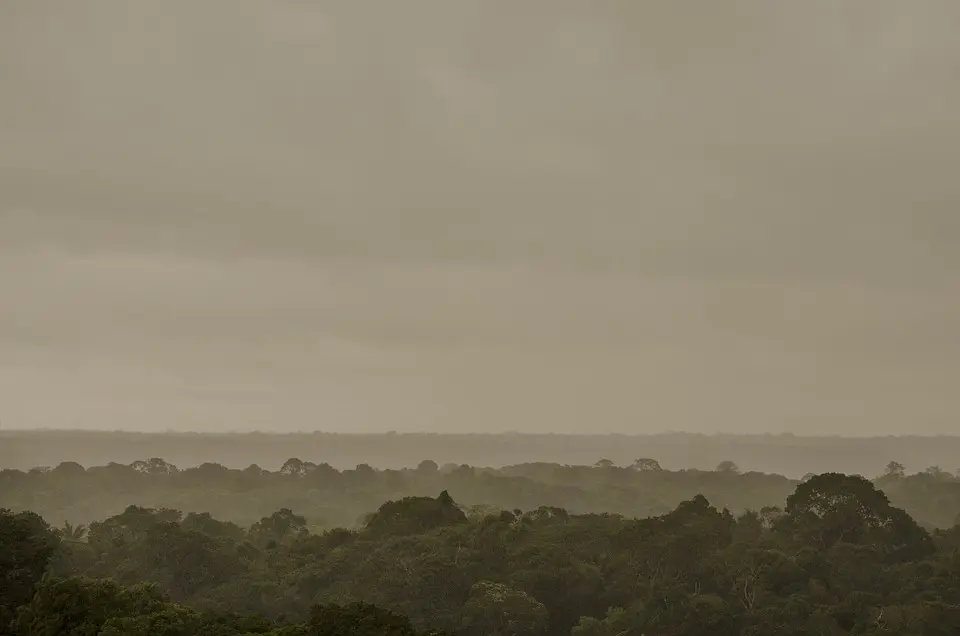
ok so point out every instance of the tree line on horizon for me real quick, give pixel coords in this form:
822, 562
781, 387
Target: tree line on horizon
792, 456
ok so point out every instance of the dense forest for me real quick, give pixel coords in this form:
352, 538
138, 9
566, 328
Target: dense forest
330, 498
833, 556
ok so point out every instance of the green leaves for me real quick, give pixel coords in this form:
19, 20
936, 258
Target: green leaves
413, 515
26, 546
81, 607
494, 609
839, 559
832, 508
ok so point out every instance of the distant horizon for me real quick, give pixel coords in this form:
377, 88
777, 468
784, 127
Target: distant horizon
507, 433
785, 454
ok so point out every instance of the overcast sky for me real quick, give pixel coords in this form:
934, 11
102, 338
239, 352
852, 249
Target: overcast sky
472, 215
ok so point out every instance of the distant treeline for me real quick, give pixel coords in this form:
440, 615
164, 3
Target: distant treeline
328, 497
835, 558
793, 456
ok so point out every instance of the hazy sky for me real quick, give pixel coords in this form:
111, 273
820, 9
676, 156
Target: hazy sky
478, 215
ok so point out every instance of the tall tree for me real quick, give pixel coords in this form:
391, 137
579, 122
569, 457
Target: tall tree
26, 546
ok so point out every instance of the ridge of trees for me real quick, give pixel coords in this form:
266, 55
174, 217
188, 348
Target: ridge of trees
330, 498
835, 558
790, 455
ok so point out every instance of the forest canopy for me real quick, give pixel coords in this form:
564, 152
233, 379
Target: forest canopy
835, 556
330, 498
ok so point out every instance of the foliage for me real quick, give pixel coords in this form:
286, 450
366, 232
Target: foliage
413, 515
328, 498
27, 545
837, 558
493, 609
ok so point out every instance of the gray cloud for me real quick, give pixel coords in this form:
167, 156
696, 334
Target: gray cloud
733, 216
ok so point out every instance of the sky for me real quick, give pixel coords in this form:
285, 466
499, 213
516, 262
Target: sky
480, 215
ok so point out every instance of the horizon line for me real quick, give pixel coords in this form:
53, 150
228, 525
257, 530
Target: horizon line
508, 433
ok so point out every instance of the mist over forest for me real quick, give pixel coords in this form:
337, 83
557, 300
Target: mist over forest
531, 549
479, 318
789, 455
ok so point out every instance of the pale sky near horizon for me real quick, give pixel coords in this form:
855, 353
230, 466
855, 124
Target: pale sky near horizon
479, 215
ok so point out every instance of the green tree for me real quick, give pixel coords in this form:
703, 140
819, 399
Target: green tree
412, 515
832, 507
894, 469
357, 619
647, 464
27, 545
172, 620
727, 466
493, 609
428, 467
154, 466
81, 607
72, 533
281, 527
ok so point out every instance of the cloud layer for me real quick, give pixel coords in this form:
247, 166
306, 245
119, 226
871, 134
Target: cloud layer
480, 216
